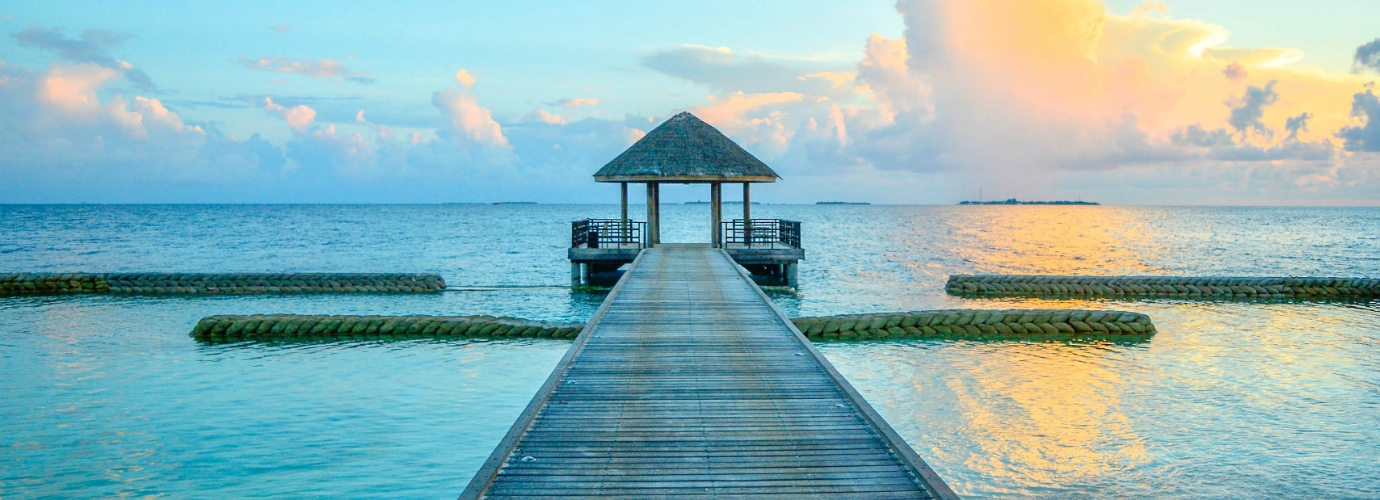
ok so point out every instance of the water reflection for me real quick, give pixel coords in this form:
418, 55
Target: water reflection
1055, 240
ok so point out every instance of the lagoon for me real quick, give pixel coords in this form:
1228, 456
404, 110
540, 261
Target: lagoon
108, 396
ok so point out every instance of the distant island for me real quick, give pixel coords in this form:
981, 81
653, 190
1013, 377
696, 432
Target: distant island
515, 203
842, 203
725, 203
1014, 201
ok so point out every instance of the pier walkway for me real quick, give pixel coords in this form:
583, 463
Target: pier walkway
689, 382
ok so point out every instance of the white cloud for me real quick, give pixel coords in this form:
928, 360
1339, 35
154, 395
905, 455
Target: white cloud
470, 123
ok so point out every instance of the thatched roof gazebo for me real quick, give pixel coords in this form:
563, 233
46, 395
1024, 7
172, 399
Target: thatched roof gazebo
686, 150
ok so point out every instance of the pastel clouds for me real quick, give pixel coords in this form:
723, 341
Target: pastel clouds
93, 47
470, 123
578, 102
544, 116
298, 117
326, 69
464, 78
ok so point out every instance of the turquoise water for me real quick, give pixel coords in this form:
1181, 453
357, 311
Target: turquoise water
107, 396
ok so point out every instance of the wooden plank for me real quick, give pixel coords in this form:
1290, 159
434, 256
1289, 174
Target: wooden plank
688, 381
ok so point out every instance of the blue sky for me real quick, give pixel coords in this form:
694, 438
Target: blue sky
911, 102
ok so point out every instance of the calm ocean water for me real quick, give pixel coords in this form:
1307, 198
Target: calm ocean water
107, 396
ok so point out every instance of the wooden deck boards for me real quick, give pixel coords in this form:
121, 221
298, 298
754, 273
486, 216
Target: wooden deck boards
688, 382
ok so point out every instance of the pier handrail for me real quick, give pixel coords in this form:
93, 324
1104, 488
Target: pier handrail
762, 233
614, 233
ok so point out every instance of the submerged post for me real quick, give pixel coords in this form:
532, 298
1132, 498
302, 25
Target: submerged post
747, 214
716, 215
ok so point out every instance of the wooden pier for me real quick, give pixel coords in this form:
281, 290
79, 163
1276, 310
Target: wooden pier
689, 382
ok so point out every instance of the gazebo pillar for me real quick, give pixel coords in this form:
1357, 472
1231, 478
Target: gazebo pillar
653, 214
716, 215
623, 217
747, 213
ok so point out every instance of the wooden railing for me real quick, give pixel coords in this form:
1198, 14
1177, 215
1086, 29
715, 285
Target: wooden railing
762, 233
608, 233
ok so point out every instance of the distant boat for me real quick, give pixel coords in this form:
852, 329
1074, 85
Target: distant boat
842, 203
1013, 201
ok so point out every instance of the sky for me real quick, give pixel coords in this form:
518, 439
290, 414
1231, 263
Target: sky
1212, 102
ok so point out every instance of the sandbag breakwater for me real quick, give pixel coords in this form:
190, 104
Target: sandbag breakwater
967, 324
980, 324
278, 327
1163, 287
208, 283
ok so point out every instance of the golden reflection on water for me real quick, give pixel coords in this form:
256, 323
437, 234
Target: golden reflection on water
1055, 240
1045, 415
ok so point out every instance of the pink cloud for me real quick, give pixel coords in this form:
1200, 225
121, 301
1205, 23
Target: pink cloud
298, 117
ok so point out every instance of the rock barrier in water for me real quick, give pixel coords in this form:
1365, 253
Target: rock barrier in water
1013, 324
279, 327
203, 283
1018, 324
1163, 287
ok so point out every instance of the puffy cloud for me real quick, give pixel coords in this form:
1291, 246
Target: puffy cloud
326, 69
1016, 96
1367, 56
1246, 111
62, 142
299, 117
464, 78
93, 47
1235, 72
1296, 124
470, 123
751, 118
1364, 137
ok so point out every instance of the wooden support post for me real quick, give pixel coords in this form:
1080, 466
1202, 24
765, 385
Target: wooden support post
623, 226
716, 215
653, 214
747, 213
575, 274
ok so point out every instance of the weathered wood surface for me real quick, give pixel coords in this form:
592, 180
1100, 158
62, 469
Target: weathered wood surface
689, 382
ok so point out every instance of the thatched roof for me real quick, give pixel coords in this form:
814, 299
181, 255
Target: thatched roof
685, 149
